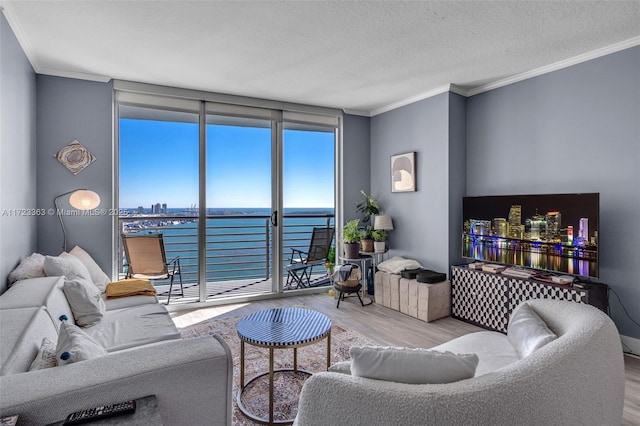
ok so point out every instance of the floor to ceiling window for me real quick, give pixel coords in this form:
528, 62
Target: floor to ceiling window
231, 188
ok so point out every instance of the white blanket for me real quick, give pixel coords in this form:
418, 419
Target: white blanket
397, 264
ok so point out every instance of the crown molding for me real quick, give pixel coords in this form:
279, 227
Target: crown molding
416, 98
23, 40
72, 74
626, 44
356, 112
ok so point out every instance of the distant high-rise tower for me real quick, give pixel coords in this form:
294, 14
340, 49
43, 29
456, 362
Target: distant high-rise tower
164, 208
158, 208
583, 229
500, 226
554, 222
516, 229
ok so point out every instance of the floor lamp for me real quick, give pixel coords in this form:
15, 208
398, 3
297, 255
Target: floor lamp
81, 199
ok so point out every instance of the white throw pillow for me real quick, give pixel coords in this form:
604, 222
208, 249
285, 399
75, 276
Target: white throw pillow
46, 357
67, 266
413, 366
527, 331
85, 301
30, 267
75, 345
98, 277
397, 264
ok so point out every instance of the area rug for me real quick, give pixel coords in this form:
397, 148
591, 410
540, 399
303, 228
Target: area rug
287, 386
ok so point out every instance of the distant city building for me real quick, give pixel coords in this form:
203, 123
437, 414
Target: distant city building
140, 210
500, 227
164, 208
554, 223
536, 227
583, 229
516, 229
158, 208
479, 227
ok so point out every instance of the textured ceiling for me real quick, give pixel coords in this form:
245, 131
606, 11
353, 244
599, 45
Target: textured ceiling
364, 56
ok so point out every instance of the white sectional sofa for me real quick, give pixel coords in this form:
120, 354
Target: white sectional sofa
191, 378
576, 379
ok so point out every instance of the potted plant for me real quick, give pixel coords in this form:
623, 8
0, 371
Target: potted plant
331, 260
351, 239
369, 207
379, 238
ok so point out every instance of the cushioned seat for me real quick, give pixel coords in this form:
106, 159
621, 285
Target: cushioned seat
22, 333
135, 326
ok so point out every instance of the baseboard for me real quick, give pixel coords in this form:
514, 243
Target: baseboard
631, 344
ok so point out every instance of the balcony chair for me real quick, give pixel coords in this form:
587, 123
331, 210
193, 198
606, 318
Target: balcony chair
301, 263
147, 260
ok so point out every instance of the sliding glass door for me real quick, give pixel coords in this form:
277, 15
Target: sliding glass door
239, 181
308, 194
232, 188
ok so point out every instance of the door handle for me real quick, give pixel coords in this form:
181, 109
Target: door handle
274, 218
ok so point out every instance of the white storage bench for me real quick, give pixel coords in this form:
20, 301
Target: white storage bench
427, 302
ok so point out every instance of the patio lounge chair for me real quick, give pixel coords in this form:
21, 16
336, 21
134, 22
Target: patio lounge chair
301, 263
146, 259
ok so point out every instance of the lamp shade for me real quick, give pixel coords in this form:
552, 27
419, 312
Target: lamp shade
383, 222
83, 199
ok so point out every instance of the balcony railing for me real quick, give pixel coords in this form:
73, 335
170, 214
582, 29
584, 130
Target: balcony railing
238, 247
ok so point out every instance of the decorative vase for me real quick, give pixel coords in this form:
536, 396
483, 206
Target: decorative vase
367, 245
379, 246
351, 250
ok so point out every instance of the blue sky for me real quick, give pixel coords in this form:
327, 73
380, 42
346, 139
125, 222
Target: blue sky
159, 164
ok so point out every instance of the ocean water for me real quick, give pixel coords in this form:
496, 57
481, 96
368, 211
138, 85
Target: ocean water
238, 244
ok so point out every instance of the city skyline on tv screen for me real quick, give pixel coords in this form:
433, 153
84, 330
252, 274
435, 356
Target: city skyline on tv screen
554, 232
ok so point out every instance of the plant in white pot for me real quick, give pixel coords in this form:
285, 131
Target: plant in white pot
351, 239
379, 240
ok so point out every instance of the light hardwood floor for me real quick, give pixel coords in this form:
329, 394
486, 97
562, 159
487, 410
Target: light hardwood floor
389, 327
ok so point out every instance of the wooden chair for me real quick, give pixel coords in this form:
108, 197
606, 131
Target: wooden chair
147, 259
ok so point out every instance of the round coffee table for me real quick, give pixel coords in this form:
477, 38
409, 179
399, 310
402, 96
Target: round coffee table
280, 328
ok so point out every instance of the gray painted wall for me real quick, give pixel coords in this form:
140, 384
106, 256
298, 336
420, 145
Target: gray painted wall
457, 172
69, 110
572, 130
17, 152
356, 151
420, 218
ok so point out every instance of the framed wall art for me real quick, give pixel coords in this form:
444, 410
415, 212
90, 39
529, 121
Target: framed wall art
75, 157
403, 172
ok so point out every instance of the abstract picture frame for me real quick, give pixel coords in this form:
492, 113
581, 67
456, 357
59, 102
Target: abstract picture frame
403, 172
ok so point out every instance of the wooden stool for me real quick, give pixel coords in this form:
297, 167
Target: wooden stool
348, 287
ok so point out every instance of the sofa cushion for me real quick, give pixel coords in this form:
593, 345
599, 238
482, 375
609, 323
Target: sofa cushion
135, 326
65, 265
30, 267
527, 331
494, 350
75, 345
46, 357
98, 277
412, 366
86, 303
22, 332
37, 292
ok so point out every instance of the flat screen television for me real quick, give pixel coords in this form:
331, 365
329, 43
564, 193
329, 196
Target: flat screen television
550, 232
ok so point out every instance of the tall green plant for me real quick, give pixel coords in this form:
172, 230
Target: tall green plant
350, 232
368, 206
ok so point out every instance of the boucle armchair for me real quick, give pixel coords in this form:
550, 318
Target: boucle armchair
577, 379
